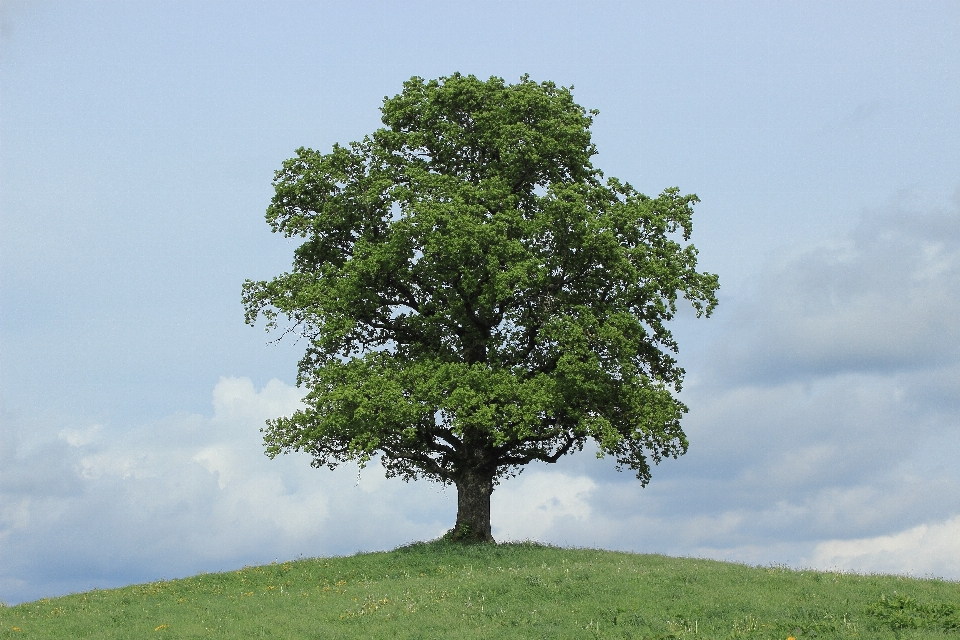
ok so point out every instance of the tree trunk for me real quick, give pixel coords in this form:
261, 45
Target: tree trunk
473, 507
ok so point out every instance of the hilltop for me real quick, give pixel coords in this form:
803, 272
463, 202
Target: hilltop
515, 590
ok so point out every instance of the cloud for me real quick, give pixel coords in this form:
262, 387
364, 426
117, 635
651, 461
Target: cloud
80, 437
880, 300
927, 549
96, 506
538, 503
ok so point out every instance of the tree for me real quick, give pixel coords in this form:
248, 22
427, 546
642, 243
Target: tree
474, 297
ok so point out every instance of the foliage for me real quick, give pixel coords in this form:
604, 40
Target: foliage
474, 296
904, 612
442, 590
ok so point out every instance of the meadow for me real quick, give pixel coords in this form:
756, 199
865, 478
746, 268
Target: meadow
515, 590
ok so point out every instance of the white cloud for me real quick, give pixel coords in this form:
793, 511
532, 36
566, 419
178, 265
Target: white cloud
530, 506
81, 437
927, 549
187, 494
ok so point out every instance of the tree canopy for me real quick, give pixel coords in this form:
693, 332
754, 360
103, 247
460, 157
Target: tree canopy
475, 296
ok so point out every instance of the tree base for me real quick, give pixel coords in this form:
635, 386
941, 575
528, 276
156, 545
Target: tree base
464, 534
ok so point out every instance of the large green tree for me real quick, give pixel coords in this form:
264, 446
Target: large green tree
474, 296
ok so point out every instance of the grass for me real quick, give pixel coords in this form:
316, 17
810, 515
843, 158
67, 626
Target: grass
523, 590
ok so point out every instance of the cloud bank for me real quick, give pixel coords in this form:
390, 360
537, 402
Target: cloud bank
98, 506
927, 549
881, 300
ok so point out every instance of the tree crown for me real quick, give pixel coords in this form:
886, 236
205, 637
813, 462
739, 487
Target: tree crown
474, 296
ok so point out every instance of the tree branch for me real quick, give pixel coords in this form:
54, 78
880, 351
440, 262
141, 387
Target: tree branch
537, 454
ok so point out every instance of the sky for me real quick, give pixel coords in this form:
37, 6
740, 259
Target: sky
138, 142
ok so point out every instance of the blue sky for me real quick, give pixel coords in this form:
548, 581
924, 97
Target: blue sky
137, 145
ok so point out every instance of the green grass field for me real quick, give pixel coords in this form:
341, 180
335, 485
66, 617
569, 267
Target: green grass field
443, 590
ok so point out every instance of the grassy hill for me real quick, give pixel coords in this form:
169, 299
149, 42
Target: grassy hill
441, 590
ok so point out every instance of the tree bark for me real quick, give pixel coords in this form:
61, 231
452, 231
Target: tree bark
473, 507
